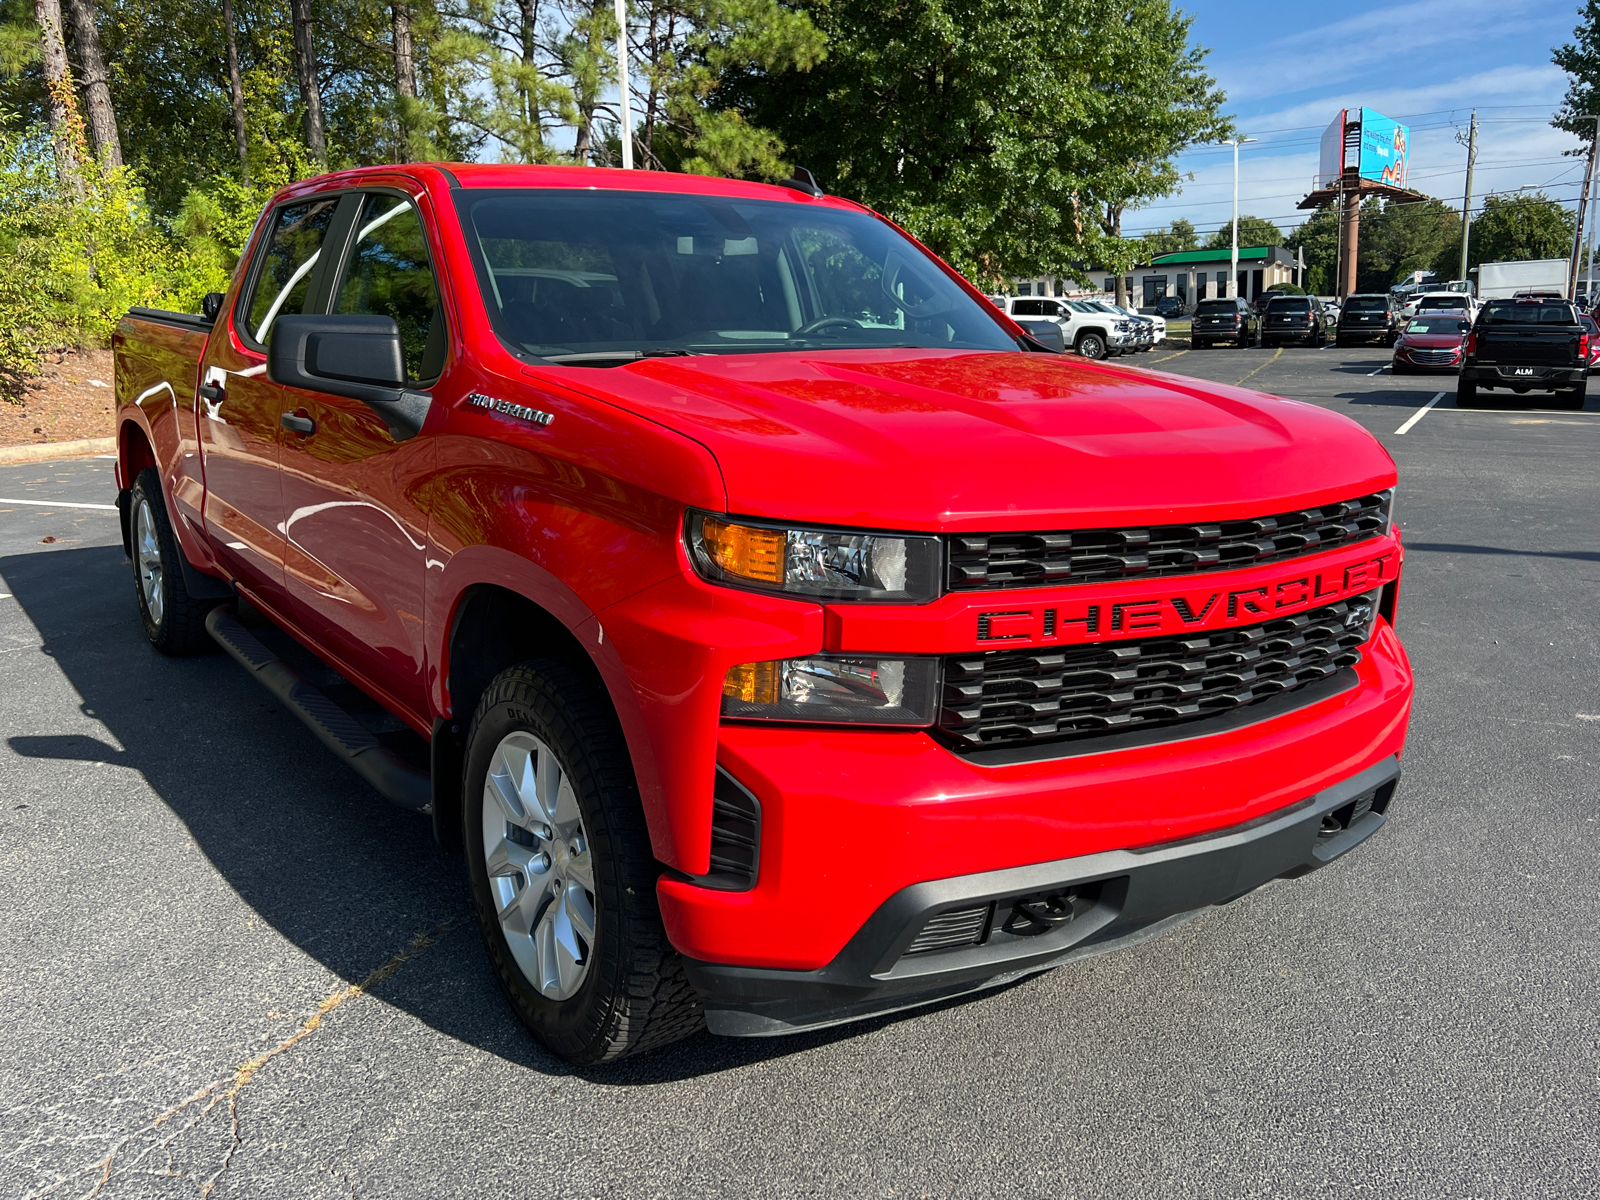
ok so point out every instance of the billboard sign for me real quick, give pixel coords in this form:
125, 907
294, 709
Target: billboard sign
1385, 149
1330, 164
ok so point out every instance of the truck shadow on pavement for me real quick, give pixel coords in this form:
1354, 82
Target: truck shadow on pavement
343, 875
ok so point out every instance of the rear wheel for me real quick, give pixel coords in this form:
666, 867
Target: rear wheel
562, 873
1091, 345
1466, 394
174, 621
1572, 398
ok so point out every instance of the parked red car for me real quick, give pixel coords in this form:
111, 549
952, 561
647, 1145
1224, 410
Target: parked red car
779, 639
1430, 344
1592, 328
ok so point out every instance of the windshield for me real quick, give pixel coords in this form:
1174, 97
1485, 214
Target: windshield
1366, 304
585, 276
1296, 304
1213, 308
1438, 325
1529, 312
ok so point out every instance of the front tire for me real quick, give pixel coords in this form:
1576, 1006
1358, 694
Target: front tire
562, 874
174, 621
1091, 346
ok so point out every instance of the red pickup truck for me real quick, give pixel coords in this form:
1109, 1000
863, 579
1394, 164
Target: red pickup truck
779, 634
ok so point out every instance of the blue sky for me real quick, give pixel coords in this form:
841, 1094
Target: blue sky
1288, 67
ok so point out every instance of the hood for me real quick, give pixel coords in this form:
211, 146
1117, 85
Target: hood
948, 440
1433, 341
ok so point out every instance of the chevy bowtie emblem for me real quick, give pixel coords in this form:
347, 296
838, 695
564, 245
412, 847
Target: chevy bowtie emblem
511, 410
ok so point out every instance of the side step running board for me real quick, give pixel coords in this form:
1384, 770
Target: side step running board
397, 780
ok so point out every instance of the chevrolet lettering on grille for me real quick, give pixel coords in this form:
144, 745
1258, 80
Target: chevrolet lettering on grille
1183, 612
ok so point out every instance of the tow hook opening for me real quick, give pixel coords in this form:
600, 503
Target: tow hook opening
1340, 819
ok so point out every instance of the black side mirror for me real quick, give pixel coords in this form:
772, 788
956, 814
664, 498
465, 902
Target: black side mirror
355, 356
211, 306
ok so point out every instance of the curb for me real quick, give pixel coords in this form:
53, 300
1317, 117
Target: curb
45, 451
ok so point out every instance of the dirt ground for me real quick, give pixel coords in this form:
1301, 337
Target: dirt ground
71, 398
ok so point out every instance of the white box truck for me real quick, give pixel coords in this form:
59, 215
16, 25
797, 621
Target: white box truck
1502, 280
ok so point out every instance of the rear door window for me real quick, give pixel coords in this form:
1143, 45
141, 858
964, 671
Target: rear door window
283, 280
388, 273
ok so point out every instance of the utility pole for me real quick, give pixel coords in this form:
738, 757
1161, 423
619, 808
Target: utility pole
1583, 205
1233, 273
1466, 204
624, 88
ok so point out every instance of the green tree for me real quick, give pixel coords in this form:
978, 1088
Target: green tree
1397, 240
1006, 136
1515, 227
1318, 238
1580, 59
1253, 231
1178, 236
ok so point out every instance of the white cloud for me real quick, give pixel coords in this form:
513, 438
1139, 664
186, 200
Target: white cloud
1401, 35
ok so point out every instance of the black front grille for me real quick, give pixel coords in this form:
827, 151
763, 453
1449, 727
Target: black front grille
979, 562
1020, 697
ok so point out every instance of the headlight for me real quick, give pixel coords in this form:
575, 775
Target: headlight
872, 691
825, 563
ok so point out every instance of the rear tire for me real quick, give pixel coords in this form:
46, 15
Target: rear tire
1467, 394
174, 621
578, 946
1572, 398
1091, 346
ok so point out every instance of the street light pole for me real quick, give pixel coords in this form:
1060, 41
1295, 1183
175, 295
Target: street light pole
1233, 273
624, 88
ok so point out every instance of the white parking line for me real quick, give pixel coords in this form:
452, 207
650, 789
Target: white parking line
56, 504
1417, 416
1379, 371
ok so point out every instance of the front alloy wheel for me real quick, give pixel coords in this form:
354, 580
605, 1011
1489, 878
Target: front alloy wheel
537, 859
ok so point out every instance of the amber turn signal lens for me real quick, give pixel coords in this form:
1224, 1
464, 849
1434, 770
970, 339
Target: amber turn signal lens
752, 683
743, 550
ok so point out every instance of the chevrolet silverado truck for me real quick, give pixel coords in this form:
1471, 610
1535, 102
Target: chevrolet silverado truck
776, 633
1531, 344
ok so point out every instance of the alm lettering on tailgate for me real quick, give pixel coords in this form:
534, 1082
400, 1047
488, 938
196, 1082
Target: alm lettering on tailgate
1177, 614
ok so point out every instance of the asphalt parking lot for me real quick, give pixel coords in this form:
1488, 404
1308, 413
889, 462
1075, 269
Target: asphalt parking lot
228, 968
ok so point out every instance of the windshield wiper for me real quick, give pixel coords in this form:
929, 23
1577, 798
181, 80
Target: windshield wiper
599, 356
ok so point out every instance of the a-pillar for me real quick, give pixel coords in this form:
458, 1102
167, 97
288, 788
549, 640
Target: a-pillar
1352, 239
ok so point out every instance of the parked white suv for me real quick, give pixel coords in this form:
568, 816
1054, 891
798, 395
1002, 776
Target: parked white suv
1090, 331
1442, 302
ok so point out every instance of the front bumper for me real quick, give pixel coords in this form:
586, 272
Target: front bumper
850, 817
1449, 367
1117, 898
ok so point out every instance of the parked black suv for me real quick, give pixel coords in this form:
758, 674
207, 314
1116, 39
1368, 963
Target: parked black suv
1375, 317
1169, 306
1231, 320
1294, 319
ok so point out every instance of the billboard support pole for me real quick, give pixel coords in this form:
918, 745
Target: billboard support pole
1352, 235
1466, 204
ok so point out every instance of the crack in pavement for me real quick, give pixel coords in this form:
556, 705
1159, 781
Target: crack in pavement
225, 1090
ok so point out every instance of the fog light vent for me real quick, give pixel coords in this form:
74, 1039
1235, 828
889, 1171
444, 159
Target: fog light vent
947, 930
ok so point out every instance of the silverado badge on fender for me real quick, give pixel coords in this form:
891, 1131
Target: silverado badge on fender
533, 415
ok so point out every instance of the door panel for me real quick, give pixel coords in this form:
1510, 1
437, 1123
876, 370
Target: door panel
239, 432
356, 533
